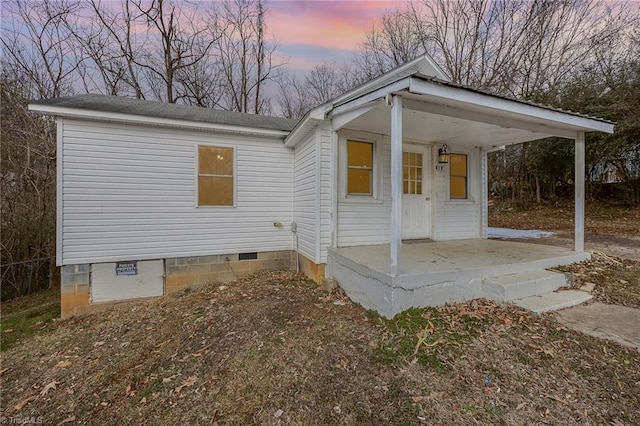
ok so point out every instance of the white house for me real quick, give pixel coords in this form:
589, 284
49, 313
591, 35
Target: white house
383, 189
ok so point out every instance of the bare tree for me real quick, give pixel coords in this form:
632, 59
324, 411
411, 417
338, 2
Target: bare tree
323, 83
293, 99
511, 47
245, 58
182, 42
106, 37
27, 187
38, 44
391, 42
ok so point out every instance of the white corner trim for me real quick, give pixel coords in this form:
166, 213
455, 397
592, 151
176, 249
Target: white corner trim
59, 187
579, 194
318, 196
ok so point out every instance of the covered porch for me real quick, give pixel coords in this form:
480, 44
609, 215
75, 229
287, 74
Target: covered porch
407, 154
432, 273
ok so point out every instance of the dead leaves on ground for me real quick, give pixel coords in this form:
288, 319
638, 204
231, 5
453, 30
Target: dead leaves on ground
610, 279
187, 383
241, 353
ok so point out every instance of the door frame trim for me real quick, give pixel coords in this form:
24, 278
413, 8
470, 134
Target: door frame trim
428, 171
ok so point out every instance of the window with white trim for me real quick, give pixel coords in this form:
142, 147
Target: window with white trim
359, 168
458, 177
215, 176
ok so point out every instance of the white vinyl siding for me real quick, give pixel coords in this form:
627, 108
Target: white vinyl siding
312, 193
129, 193
459, 219
304, 195
367, 220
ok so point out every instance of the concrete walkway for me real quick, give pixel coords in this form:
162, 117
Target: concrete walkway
617, 323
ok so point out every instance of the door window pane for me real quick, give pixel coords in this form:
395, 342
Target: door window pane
412, 172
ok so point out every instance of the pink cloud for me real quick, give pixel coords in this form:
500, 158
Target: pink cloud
328, 24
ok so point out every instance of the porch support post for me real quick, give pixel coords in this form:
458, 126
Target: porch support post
396, 182
579, 193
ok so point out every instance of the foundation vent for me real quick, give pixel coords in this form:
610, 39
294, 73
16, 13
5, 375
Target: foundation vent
248, 256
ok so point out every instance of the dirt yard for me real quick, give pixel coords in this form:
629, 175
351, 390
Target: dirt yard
612, 234
610, 229
275, 349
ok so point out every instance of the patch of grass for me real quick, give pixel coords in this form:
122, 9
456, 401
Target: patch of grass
523, 358
421, 333
27, 316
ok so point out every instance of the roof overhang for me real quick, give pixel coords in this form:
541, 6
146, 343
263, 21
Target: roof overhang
487, 105
88, 114
443, 112
422, 65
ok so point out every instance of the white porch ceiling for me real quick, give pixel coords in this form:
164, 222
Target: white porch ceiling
431, 127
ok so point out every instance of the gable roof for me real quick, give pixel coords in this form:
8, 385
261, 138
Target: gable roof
403, 80
423, 65
115, 107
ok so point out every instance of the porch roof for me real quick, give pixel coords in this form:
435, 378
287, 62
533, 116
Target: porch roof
443, 112
440, 111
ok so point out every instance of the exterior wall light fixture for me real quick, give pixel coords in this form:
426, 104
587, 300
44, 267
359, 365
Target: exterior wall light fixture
443, 154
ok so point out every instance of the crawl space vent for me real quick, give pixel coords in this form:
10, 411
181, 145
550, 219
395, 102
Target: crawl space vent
248, 256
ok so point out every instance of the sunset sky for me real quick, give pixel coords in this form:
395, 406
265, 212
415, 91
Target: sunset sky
316, 31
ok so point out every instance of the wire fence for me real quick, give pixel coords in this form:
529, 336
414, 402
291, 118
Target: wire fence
26, 276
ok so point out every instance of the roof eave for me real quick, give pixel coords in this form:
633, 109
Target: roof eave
88, 114
313, 117
306, 123
575, 122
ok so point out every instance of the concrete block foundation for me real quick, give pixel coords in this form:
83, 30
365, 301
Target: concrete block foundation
180, 272
183, 272
75, 281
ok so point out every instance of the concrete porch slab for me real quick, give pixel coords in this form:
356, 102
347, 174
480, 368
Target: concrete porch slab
462, 255
435, 273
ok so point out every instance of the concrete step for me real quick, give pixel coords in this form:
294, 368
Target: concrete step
553, 301
504, 288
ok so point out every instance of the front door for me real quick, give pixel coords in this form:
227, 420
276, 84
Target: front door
416, 198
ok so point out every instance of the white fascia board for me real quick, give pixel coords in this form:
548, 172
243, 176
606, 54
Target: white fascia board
496, 104
489, 117
442, 75
365, 98
157, 121
490, 149
59, 194
376, 82
318, 114
306, 124
338, 121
